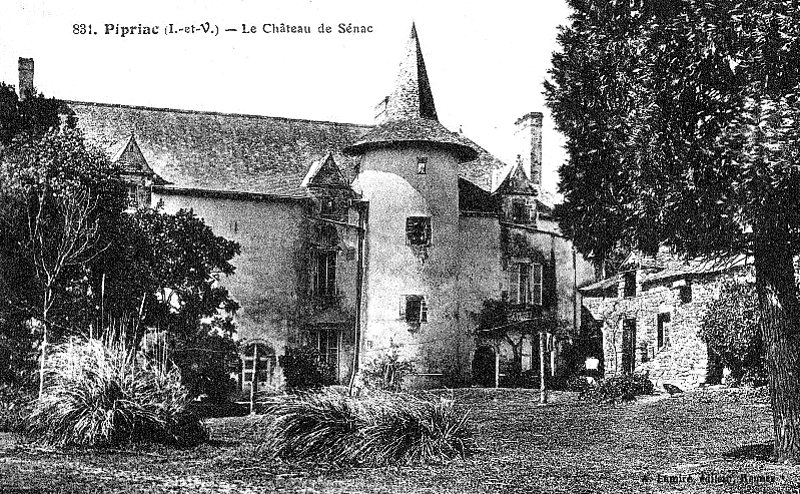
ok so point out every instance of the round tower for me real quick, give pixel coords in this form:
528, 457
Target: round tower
408, 173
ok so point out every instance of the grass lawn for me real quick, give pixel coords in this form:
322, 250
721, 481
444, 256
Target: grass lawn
657, 444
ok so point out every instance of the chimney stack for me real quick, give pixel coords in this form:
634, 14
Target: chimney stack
529, 142
25, 77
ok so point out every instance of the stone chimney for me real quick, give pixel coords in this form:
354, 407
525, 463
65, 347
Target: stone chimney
529, 145
25, 77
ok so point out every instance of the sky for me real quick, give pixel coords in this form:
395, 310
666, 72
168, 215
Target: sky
486, 60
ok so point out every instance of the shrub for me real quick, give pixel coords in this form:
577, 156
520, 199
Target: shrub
100, 394
15, 404
376, 429
623, 388
303, 368
387, 372
730, 327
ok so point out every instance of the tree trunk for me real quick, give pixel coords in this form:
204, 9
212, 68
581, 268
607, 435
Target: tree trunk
780, 327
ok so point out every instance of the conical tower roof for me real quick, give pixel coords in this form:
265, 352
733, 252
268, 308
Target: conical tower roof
412, 96
411, 112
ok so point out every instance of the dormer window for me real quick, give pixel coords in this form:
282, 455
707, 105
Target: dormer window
422, 165
519, 212
327, 207
629, 284
418, 230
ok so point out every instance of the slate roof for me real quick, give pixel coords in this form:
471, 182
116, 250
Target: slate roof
412, 96
664, 267
413, 131
220, 151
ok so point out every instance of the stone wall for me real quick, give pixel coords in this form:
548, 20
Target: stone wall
683, 360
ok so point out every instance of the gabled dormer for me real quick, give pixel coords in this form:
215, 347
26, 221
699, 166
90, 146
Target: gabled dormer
328, 186
518, 196
135, 172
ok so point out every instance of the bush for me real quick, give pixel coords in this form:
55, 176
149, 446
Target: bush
387, 372
303, 369
100, 394
377, 429
15, 404
623, 388
730, 327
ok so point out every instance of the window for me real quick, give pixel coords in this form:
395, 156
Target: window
328, 208
519, 212
414, 309
629, 279
686, 294
422, 165
132, 197
526, 284
324, 274
662, 322
265, 358
325, 340
418, 230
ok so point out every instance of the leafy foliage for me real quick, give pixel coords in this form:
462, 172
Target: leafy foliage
304, 368
387, 371
625, 387
100, 394
730, 327
680, 119
377, 429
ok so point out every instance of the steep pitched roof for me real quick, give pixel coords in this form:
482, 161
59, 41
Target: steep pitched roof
412, 96
128, 155
515, 181
220, 151
325, 173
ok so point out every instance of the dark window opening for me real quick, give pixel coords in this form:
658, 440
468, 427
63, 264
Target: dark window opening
414, 309
418, 230
328, 208
324, 274
628, 346
686, 294
630, 284
519, 212
663, 329
326, 341
422, 165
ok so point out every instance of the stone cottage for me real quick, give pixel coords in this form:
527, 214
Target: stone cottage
650, 314
381, 238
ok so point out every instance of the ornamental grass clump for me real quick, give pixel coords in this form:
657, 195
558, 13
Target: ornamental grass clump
378, 429
99, 394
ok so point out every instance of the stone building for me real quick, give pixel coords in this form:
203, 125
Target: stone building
392, 234
650, 314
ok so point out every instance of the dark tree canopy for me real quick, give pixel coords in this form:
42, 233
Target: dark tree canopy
681, 124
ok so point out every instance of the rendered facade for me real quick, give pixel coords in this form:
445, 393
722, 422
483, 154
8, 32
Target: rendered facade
392, 234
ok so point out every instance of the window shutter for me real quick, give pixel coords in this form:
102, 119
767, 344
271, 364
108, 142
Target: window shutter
423, 310
513, 284
403, 306
537, 285
331, 274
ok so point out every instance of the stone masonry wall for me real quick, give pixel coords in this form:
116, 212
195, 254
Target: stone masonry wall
683, 361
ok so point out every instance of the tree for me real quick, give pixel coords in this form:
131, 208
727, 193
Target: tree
54, 184
165, 269
702, 97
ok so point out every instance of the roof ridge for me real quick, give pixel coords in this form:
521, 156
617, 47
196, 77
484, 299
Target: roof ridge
217, 113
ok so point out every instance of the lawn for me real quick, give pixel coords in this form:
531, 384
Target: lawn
657, 444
